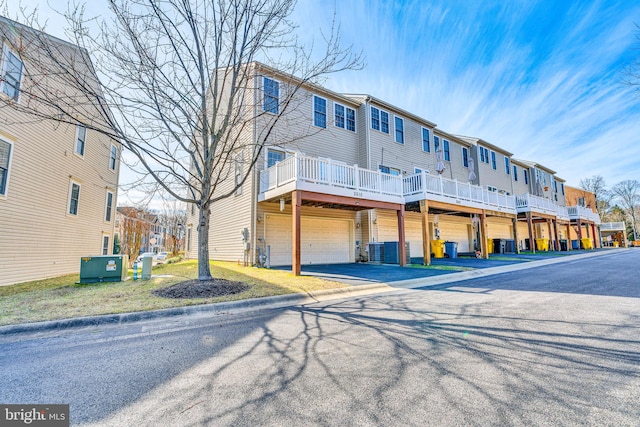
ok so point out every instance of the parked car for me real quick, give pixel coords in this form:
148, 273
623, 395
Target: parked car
149, 254
162, 257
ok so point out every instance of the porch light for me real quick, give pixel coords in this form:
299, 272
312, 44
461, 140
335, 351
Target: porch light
281, 204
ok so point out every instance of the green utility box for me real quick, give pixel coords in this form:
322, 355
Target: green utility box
103, 268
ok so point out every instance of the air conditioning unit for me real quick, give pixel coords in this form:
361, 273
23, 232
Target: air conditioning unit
376, 252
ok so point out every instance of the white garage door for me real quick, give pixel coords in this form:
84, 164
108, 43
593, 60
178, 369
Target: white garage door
323, 240
388, 230
499, 228
456, 230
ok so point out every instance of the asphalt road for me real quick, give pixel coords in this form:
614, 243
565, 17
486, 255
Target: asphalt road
554, 345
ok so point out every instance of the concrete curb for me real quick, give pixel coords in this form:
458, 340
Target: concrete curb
288, 300
217, 308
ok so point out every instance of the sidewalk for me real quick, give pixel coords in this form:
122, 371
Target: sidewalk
429, 278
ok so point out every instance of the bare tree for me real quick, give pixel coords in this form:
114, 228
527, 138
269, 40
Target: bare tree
598, 187
631, 73
134, 228
176, 83
173, 220
627, 194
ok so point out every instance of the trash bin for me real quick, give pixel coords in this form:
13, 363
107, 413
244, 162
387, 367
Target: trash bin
499, 246
575, 244
451, 249
437, 248
510, 246
147, 263
563, 244
542, 244
489, 246
616, 244
587, 243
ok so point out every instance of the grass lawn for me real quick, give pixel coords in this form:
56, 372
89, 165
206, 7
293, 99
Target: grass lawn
61, 297
441, 267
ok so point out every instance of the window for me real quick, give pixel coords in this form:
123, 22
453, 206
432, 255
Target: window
493, 160
425, 140
399, 124
492, 189
239, 173
189, 239
526, 176
275, 157
465, 157
113, 157
105, 245
109, 206
338, 112
447, 155
384, 121
351, 119
507, 167
388, 170
581, 201
319, 112
484, 155
515, 173
436, 143
375, 118
271, 89
344, 117
11, 74
5, 157
419, 170
562, 188
81, 136
555, 185
74, 198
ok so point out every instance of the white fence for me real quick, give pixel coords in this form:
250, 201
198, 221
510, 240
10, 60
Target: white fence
326, 172
424, 184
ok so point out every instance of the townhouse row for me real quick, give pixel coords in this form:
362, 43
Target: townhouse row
58, 182
365, 171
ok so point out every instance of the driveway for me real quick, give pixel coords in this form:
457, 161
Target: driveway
368, 273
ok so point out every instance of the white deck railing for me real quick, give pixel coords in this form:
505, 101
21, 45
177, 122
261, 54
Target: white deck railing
424, 185
576, 212
327, 172
528, 202
613, 226
562, 212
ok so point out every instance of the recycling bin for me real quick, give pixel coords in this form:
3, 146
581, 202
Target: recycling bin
587, 243
490, 246
510, 246
437, 248
563, 244
451, 249
542, 244
499, 246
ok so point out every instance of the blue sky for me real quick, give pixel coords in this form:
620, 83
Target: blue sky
540, 79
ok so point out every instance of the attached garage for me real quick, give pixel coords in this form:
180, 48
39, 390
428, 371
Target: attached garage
387, 223
323, 240
457, 229
453, 228
499, 228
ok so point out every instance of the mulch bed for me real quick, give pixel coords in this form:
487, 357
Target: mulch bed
202, 289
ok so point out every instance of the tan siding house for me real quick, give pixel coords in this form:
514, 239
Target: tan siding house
58, 193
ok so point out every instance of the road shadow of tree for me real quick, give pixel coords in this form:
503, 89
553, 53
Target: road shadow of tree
389, 360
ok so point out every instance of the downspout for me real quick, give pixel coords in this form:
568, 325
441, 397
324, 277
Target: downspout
255, 182
367, 108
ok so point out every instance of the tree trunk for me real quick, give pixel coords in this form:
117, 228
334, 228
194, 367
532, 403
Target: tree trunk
204, 271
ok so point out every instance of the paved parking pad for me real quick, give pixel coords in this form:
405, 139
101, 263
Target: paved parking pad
369, 273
